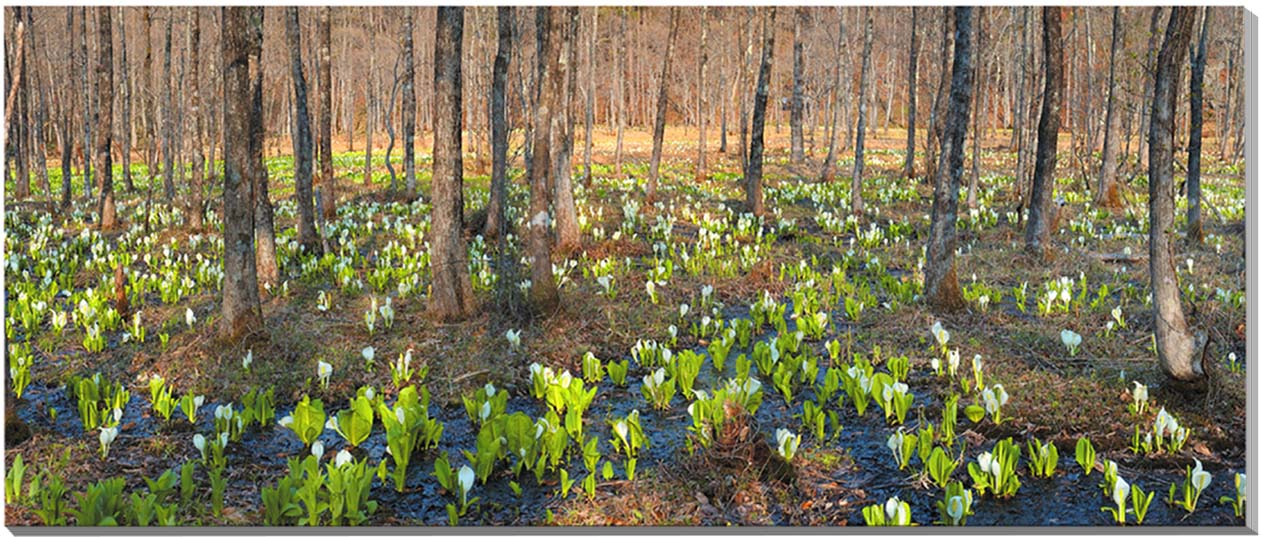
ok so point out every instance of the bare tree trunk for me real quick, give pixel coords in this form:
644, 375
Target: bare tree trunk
753, 185
42, 83
148, 102
1195, 224
702, 171
979, 65
1023, 108
88, 120
663, 103
409, 103
327, 180
1153, 39
941, 283
566, 212
496, 217
543, 292
741, 91
370, 96
864, 89
168, 116
829, 161
104, 120
264, 226
307, 237
1106, 195
1042, 210
1179, 351
452, 295
67, 123
621, 97
241, 311
196, 206
590, 112
798, 93
125, 84
935, 119
908, 168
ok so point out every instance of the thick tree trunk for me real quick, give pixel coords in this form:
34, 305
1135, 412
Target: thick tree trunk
1106, 195
566, 212
327, 179
196, 206
797, 107
1179, 351
496, 217
104, 122
663, 103
1195, 223
702, 171
409, 103
1042, 209
864, 89
829, 161
264, 227
543, 294
307, 236
451, 297
941, 284
753, 181
241, 311
908, 168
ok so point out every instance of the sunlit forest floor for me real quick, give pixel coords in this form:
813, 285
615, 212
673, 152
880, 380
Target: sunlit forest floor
848, 285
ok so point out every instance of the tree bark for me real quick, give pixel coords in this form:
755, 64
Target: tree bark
67, 122
908, 168
941, 284
370, 97
88, 120
496, 217
935, 123
1153, 39
264, 226
864, 88
240, 305
621, 97
753, 181
327, 180
978, 63
1042, 210
1106, 195
797, 107
409, 103
566, 212
829, 161
702, 171
1195, 223
196, 206
104, 122
543, 293
590, 111
451, 297
125, 84
1179, 351
168, 115
663, 103
307, 235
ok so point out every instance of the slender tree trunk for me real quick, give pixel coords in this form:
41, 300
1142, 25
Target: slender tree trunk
148, 102
979, 77
702, 171
1042, 209
1022, 106
452, 296
496, 217
864, 89
798, 95
621, 96
88, 119
327, 179
543, 293
67, 123
590, 112
104, 121
663, 103
307, 236
196, 205
241, 311
741, 90
1195, 224
941, 283
568, 237
409, 103
168, 116
264, 226
1106, 195
829, 161
1153, 39
1180, 352
935, 123
908, 168
753, 188
370, 97
41, 83
125, 84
